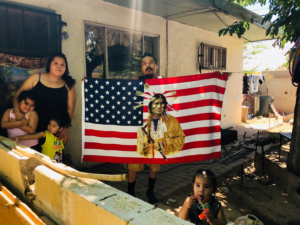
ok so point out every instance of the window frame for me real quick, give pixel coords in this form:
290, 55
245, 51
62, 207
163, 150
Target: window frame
54, 30
126, 30
202, 55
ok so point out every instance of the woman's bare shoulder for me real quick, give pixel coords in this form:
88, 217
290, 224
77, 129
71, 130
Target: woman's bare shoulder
32, 113
34, 76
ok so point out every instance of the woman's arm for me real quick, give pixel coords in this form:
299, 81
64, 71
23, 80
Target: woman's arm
66, 138
41, 134
28, 84
7, 124
71, 101
33, 122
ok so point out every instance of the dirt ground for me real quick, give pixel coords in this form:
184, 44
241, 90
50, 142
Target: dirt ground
269, 203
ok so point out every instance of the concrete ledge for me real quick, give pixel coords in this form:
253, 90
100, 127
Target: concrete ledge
72, 200
68, 200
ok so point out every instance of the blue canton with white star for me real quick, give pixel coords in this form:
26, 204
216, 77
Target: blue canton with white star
111, 102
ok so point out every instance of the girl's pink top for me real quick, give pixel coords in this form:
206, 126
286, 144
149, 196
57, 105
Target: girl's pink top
15, 132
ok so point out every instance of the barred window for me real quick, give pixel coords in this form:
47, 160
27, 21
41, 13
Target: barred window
29, 31
212, 57
113, 53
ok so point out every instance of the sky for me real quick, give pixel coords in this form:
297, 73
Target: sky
271, 58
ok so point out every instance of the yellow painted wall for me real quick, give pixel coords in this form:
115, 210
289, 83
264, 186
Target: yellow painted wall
183, 46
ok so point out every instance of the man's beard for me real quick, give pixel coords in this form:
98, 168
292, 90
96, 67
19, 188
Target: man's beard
149, 76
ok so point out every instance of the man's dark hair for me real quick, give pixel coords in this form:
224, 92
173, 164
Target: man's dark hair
149, 55
63, 120
157, 96
27, 94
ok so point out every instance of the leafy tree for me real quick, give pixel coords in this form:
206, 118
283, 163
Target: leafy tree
286, 63
250, 52
251, 49
286, 14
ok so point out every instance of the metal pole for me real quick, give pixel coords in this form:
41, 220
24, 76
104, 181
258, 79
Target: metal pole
263, 161
242, 174
229, 156
280, 142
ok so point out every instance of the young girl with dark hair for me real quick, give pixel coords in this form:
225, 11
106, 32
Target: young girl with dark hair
52, 147
203, 202
26, 103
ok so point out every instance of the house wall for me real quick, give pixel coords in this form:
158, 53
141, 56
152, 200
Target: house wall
278, 84
177, 58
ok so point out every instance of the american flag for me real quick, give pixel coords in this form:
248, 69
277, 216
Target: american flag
110, 122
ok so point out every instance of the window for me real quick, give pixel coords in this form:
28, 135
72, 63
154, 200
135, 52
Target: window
29, 31
212, 57
114, 53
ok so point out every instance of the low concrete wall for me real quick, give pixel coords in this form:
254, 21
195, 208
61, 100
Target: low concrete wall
281, 177
72, 200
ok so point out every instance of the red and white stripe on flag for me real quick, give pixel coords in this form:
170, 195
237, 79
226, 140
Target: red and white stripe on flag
197, 106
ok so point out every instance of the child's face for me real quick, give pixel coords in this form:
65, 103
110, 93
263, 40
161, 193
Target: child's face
203, 188
53, 127
26, 105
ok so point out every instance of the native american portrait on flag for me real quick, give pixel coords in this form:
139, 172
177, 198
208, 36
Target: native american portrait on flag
161, 133
153, 121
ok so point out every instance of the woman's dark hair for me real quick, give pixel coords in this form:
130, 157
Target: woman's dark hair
155, 97
27, 94
149, 55
63, 120
66, 77
209, 174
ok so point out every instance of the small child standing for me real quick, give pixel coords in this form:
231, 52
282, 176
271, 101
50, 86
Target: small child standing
52, 147
204, 186
28, 124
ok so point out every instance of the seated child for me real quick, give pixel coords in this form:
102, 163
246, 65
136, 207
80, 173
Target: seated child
28, 124
52, 147
204, 186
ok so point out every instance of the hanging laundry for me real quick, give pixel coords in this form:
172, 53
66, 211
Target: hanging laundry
255, 83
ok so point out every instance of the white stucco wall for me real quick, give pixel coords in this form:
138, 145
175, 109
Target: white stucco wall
278, 84
182, 46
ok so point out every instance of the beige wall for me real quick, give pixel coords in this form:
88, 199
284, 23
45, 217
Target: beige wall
182, 51
278, 84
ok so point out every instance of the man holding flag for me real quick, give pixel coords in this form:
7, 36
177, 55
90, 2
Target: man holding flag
148, 68
148, 121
